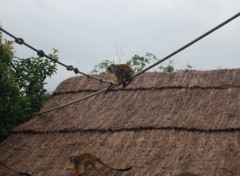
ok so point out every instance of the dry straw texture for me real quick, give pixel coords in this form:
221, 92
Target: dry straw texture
161, 124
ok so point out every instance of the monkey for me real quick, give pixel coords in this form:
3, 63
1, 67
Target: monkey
123, 72
13, 170
86, 159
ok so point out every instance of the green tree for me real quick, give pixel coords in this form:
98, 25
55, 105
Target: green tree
101, 68
21, 86
168, 68
138, 63
10, 103
30, 74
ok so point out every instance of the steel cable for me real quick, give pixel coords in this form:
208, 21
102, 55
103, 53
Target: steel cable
41, 53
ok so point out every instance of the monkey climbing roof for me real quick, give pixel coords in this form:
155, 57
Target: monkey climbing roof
160, 124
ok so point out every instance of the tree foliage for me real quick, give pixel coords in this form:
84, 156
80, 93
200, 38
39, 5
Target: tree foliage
10, 103
138, 63
30, 75
22, 81
101, 68
168, 68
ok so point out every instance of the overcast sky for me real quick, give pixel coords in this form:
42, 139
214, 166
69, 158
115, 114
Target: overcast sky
87, 32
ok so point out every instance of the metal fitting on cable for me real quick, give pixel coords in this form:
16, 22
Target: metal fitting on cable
76, 70
41, 53
54, 60
20, 41
70, 67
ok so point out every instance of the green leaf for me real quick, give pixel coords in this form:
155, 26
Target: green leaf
21, 86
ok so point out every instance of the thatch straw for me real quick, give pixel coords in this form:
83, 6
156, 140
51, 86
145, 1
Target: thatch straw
160, 124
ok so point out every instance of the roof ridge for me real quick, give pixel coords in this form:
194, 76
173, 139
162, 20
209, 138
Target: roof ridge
135, 129
151, 88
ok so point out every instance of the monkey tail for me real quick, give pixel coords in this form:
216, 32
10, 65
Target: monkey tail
101, 162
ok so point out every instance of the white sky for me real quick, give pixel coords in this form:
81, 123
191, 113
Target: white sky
88, 32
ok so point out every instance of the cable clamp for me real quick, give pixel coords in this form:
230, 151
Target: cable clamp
41, 53
20, 41
109, 88
70, 68
76, 70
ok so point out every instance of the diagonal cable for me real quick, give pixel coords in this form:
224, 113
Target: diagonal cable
41, 53
72, 102
187, 45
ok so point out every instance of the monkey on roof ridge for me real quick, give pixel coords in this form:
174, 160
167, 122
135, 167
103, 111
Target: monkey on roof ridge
123, 72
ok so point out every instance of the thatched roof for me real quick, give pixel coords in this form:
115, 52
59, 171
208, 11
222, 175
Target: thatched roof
162, 123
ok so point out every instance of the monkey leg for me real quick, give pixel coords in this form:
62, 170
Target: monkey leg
77, 171
127, 81
119, 81
84, 171
99, 171
70, 168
